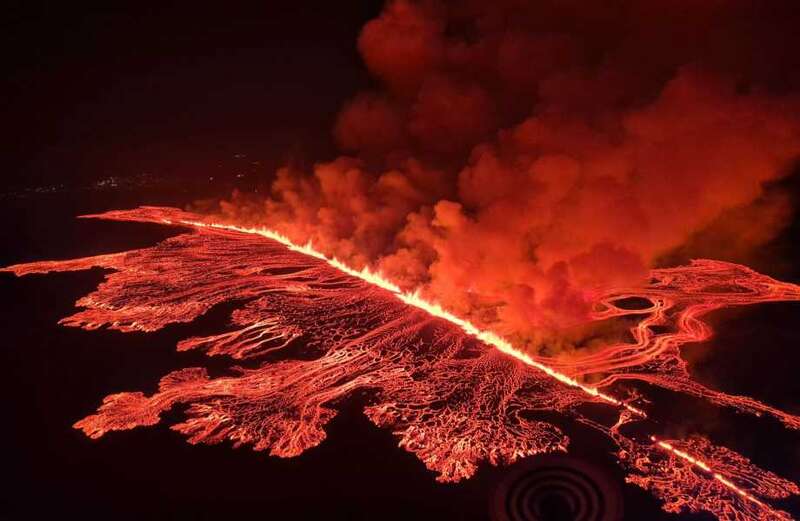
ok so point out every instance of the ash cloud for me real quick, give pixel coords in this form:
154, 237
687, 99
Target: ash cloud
518, 157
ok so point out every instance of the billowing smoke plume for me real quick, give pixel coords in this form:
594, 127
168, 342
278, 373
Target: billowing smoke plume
517, 156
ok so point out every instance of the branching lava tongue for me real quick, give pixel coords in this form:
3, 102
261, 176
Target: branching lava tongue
453, 394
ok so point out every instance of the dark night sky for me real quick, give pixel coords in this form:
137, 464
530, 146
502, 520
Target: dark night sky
122, 88
95, 90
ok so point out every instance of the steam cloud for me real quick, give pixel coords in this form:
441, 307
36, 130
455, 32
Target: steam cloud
517, 157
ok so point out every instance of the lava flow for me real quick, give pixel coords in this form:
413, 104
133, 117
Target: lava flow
449, 391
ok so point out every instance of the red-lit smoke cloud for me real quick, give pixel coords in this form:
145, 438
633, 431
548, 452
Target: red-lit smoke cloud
518, 156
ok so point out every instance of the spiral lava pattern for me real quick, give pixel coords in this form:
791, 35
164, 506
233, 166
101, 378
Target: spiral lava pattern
556, 487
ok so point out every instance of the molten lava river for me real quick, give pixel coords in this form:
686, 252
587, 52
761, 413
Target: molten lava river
452, 394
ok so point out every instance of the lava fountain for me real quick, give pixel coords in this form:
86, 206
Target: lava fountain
453, 394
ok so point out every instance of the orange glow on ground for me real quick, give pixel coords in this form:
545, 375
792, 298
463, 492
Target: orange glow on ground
453, 394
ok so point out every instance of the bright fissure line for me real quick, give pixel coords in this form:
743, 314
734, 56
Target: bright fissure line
704, 466
413, 299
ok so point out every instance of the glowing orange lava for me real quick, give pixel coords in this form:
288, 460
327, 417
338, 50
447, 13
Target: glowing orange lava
413, 299
454, 395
